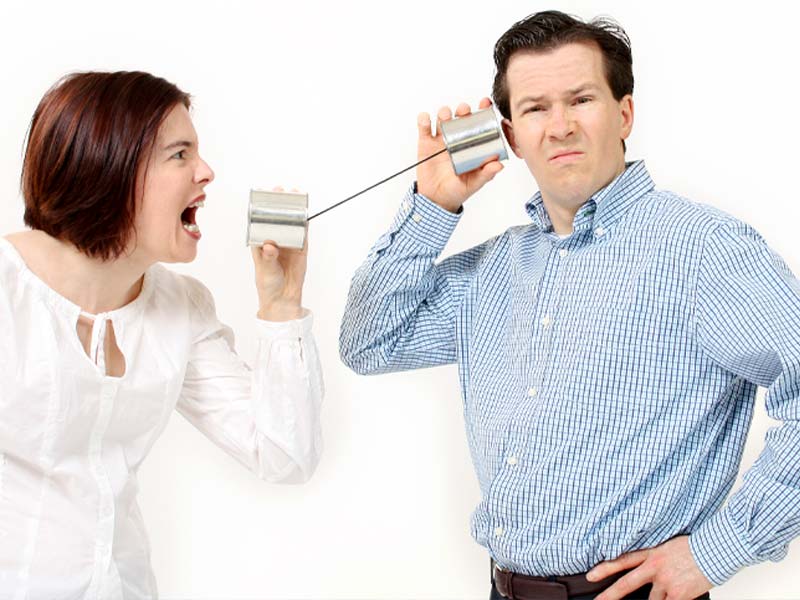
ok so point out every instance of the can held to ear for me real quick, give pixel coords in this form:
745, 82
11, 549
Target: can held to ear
280, 217
473, 139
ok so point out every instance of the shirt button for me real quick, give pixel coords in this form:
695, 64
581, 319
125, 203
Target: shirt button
532, 392
546, 321
498, 531
599, 231
417, 217
563, 252
511, 460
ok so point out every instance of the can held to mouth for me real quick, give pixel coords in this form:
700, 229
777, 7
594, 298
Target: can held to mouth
280, 217
473, 139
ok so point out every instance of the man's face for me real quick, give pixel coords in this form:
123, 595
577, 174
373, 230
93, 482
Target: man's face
565, 122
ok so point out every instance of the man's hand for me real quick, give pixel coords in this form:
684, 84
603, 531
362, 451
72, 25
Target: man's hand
670, 567
436, 178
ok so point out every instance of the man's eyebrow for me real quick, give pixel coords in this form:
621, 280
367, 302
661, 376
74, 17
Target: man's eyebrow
178, 144
525, 99
582, 88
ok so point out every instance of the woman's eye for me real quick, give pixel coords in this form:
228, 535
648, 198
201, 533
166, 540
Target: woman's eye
181, 154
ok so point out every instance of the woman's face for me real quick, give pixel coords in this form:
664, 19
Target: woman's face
166, 229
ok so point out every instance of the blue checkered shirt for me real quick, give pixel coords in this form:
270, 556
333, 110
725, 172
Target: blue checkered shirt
608, 378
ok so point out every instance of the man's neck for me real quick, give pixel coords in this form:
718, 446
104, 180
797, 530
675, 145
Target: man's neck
562, 217
562, 210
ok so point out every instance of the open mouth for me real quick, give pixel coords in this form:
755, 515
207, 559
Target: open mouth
188, 217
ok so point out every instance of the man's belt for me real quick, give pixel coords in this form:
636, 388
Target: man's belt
515, 586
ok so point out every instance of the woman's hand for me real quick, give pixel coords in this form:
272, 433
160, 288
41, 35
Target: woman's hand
279, 281
280, 273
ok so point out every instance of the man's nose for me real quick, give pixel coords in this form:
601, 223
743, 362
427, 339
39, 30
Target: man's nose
560, 124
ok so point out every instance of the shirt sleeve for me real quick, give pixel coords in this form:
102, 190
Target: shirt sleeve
402, 307
748, 322
268, 418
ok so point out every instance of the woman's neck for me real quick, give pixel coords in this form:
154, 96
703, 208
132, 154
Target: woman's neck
94, 285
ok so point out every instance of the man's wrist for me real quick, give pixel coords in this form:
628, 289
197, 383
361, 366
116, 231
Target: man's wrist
718, 548
453, 207
424, 221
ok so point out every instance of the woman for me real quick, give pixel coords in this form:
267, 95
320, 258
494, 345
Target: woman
98, 342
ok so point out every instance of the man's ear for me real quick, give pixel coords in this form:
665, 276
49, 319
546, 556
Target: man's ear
508, 130
626, 115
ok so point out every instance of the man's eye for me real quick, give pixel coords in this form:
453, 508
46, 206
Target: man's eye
534, 109
181, 154
583, 100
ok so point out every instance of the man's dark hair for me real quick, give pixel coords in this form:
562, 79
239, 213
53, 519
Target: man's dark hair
548, 30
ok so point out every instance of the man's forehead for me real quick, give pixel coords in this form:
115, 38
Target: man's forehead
565, 61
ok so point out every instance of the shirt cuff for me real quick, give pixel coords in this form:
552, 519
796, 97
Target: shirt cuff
718, 549
425, 221
285, 330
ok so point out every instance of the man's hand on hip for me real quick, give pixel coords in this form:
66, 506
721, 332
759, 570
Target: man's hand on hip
670, 567
436, 179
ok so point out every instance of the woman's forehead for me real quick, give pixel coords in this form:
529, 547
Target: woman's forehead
177, 125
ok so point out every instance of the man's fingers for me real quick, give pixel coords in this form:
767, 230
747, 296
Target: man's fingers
444, 114
424, 125
489, 170
657, 593
626, 585
463, 109
484, 103
624, 562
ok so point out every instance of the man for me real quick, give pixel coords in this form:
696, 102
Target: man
609, 353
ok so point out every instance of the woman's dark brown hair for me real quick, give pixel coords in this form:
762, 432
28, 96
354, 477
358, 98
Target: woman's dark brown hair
89, 136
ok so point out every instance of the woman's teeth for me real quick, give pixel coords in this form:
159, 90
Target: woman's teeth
189, 225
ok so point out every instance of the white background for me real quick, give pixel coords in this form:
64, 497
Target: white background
324, 97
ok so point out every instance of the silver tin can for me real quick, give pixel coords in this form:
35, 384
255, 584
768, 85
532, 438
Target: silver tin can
473, 139
280, 217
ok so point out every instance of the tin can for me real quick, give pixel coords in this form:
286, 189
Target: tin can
280, 217
473, 139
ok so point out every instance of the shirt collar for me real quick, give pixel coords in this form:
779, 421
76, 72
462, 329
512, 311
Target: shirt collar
606, 206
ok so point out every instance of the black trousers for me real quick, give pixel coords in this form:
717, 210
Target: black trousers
641, 594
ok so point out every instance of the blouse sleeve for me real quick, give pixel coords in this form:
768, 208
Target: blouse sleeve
268, 418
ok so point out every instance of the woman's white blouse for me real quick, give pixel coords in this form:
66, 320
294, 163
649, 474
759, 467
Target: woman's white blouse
72, 438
